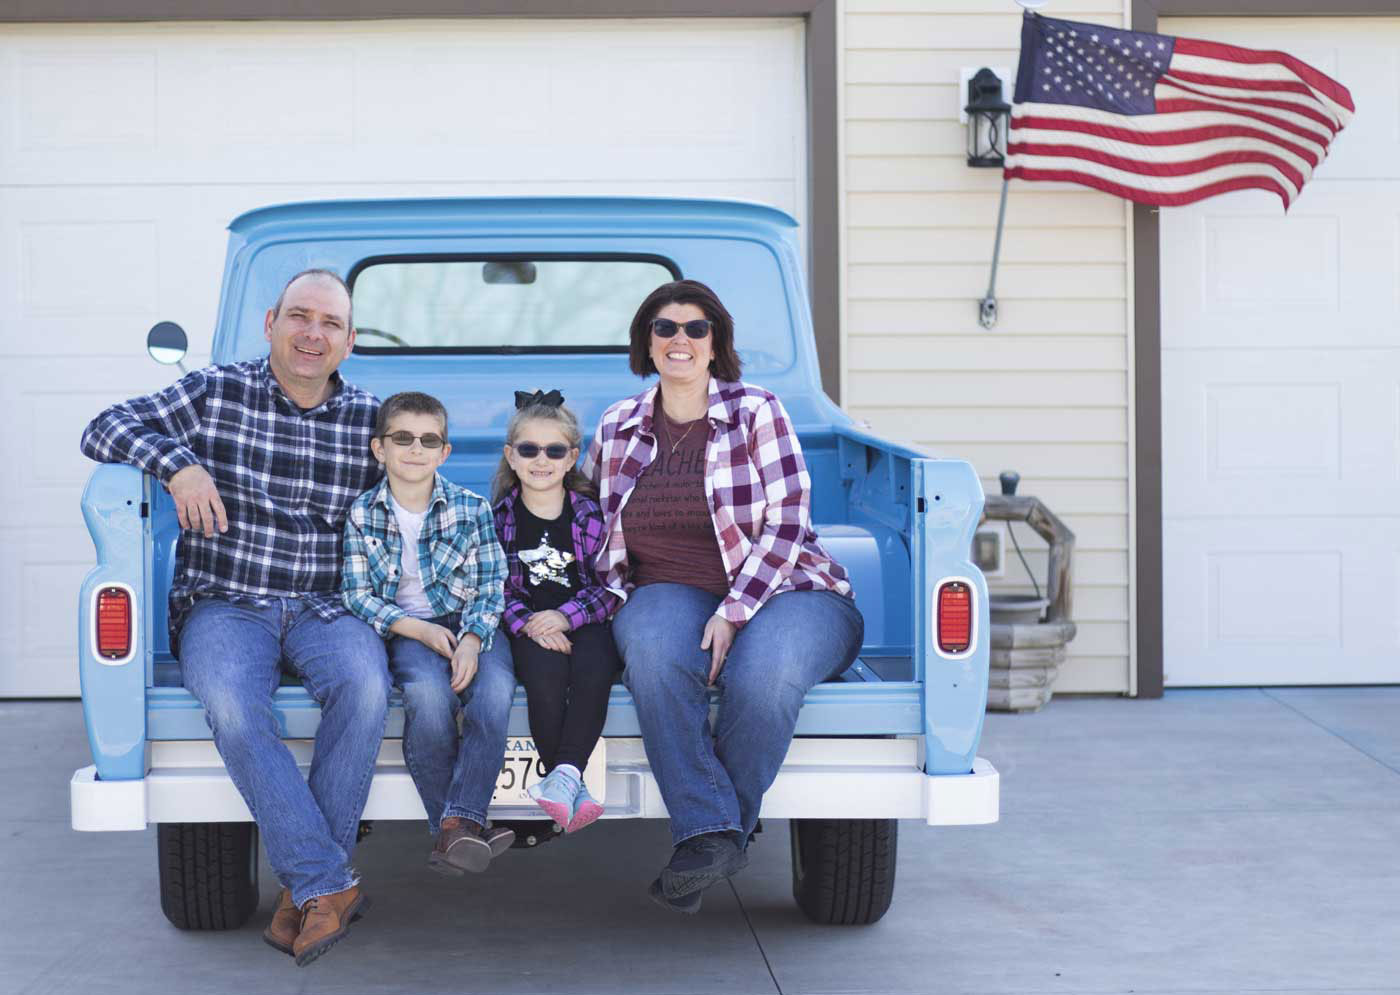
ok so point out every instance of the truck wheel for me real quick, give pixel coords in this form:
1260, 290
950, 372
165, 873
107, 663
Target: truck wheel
208, 873
843, 869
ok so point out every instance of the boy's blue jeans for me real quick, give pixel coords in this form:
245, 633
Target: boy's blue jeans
453, 777
231, 661
713, 781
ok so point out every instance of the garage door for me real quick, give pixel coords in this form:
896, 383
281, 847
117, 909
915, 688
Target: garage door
1281, 397
124, 151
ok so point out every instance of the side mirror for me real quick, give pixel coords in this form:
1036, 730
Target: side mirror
167, 344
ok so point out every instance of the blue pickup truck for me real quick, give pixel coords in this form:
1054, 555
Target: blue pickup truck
469, 299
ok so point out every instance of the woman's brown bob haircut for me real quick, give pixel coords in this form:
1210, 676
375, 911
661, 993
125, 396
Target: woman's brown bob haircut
724, 361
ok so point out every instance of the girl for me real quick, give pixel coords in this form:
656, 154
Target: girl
556, 612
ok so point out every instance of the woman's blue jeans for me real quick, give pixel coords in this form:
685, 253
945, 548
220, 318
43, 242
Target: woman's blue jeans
231, 661
455, 776
714, 780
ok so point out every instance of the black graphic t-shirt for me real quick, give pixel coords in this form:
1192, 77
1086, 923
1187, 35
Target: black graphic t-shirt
547, 558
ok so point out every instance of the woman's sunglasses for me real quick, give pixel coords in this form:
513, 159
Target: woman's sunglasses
529, 450
430, 440
665, 328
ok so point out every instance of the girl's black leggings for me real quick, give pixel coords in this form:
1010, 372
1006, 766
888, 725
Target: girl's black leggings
567, 693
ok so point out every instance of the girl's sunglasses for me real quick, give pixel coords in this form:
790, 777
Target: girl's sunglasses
665, 328
529, 450
429, 440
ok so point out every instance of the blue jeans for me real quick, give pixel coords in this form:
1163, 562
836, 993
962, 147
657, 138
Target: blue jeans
231, 661
713, 781
454, 777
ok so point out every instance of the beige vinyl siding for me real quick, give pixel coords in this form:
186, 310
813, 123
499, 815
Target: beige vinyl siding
1046, 392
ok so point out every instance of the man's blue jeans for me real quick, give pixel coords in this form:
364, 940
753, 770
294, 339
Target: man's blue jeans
231, 661
454, 778
713, 781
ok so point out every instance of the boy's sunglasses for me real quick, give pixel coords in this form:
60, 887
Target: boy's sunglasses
430, 440
529, 450
665, 328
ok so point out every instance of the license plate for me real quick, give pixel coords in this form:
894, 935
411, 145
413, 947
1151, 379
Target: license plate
522, 767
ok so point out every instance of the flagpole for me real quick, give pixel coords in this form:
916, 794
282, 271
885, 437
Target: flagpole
988, 312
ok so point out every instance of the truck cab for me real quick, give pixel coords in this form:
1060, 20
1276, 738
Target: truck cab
469, 300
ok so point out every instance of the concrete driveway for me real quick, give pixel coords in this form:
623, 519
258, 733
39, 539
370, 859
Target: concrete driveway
1212, 841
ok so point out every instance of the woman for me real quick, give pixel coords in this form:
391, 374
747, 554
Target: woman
705, 496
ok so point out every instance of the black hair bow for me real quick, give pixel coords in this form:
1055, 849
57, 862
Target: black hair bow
551, 400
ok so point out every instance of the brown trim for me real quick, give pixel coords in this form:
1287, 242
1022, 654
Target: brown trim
823, 219
1147, 332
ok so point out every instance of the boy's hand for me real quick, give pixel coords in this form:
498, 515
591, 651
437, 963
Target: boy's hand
556, 641
464, 661
438, 639
545, 622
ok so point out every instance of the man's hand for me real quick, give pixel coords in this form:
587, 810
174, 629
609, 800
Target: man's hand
545, 622
556, 641
464, 661
718, 637
197, 502
440, 640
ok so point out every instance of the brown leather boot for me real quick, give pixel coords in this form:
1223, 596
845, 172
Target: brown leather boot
282, 932
325, 921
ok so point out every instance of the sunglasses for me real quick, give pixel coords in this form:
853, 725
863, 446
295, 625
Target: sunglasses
529, 450
430, 440
665, 328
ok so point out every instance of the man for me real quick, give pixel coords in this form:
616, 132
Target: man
263, 460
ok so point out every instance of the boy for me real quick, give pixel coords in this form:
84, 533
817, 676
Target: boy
424, 568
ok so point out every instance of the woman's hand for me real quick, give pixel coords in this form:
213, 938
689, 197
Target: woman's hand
556, 641
718, 637
546, 622
464, 660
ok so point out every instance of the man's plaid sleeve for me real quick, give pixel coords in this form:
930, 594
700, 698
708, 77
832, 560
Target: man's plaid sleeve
152, 432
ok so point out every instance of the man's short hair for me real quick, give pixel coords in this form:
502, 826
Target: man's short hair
325, 274
409, 402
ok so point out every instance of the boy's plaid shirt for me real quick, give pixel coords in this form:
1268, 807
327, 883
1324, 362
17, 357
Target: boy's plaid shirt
593, 603
286, 476
462, 564
756, 483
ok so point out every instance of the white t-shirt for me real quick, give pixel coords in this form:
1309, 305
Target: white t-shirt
411, 597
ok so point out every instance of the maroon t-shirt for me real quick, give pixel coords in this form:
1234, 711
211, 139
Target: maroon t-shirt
666, 522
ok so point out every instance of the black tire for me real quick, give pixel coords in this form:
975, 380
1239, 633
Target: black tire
843, 869
208, 873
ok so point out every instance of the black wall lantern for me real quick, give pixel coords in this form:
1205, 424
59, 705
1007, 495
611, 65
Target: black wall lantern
988, 121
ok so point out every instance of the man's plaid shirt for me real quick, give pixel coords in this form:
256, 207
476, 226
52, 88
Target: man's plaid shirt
593, 603
461, 562
756, 483
286, 476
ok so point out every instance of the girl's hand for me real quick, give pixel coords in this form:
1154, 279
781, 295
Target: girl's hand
464, 661
718, 637
545, 622
556, 641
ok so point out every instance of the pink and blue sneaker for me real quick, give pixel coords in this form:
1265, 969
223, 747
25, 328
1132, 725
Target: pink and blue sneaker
555, 794
586, 810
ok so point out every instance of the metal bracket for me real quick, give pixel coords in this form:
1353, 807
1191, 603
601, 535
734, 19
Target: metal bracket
987, 315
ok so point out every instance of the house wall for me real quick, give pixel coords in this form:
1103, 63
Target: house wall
1047, 392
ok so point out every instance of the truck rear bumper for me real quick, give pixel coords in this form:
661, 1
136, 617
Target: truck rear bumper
820, 779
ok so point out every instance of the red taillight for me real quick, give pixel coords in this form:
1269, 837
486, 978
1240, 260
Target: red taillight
954, 617
113, 623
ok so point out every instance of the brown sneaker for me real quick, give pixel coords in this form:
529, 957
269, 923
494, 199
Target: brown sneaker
463, 845
325, 921
282, 932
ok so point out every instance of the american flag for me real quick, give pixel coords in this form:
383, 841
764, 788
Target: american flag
1164, 120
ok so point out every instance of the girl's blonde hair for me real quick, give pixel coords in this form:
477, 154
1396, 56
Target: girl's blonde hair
574, 480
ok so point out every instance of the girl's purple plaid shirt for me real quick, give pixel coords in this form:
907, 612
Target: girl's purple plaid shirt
593, 603
757, 485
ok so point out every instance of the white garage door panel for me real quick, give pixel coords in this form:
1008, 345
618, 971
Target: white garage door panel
125, 150
1307, 596
1281, 397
